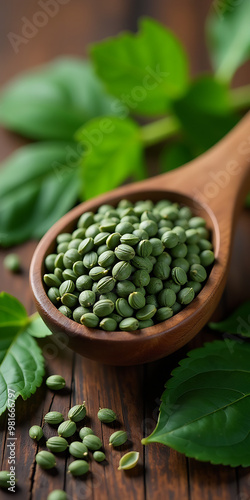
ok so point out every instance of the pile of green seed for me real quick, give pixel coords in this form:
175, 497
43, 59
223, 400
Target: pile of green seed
129, 267
77, 449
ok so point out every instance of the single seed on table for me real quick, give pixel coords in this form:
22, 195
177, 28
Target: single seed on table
66, 428
106, 415
78, 449
36, 432
99, 456
57, 444
55, 382
129, 460
57, 495
45, 460
78, 467
5, 479
53, 417
85, 431
77, 412
118, 438
92, 442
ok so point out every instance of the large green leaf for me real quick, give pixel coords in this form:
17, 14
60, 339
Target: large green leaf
21, 360
205, 410
37, 327
228, 36
113, 152
52, 102
237, 323
145, 71
38, 184
205, 113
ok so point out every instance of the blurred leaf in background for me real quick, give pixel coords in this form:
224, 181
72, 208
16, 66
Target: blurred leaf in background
228, 36
52, 102
146, 70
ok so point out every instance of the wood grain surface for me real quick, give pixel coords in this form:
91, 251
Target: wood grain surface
133, 392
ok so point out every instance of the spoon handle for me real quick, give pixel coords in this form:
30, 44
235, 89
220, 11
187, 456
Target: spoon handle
218, 179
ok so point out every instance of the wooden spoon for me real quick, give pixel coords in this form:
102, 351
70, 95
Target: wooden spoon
214, 186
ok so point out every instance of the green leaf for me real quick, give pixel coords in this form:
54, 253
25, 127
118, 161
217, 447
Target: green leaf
21, 360
175, 155
38, 184
37, 327
206, 405
53, 101
237, 323
113, 152
228, 36
205, 113
145, 71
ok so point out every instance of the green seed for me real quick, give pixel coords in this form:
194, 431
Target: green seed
97, 273
53, 417
106, 415
192, 236
79, 268
195, 285
64, 237
92, 442
66, 311
49, 261
186, 295
113, 240
59, 261
106, 284
129, 460
129, 324
129, 239
141, 278
57, 444
79, 312
70, 257
67, 286
57, 495
144, 248
198, 273
195, 222
179, 250
124, 228
121, 271
78, 449
51, 280
5, 479
164, 313
85, 246
124, 288
77, 413
155, 286
103, 308
108, 324
36, 432
90, 260
78, 468
145, 324
66, 429
55, 382
149, 226
54, 295
87, 298
84, 283
106, 259
99, 456
166, 297
207, 258
147, 312
70, 300
170, 239
90, 320
179, 276
118, 438
85, 431
86, 220
123, 308
45, 460
136, 300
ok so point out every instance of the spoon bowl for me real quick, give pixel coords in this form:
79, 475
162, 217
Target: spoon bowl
213, 186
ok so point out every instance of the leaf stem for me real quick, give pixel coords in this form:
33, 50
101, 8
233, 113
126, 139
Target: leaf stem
154, 132
240, 97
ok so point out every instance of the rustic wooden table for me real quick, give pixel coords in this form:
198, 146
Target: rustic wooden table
132, 392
